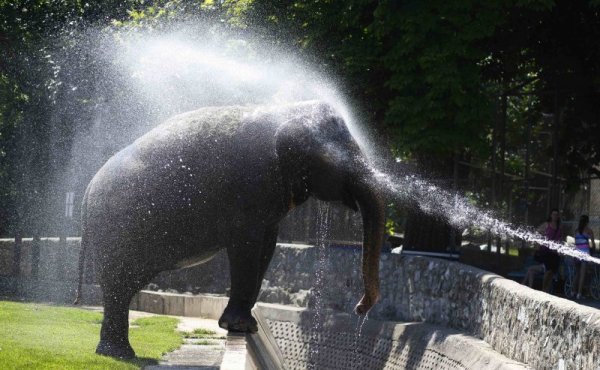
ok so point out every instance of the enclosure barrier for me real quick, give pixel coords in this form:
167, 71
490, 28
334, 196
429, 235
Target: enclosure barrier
522, 324
288, 339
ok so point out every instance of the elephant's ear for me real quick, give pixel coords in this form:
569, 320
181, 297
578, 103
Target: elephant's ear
293, 145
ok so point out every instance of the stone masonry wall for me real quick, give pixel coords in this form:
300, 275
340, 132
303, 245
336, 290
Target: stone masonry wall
526, 325
541, 330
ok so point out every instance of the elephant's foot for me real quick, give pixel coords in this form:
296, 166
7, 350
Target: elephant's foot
115, 349
238, 320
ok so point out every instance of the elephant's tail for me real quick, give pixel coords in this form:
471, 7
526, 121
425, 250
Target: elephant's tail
82, 250
81, 265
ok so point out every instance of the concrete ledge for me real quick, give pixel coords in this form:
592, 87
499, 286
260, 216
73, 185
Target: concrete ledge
292, 338
206, 306
236, 356
538, 328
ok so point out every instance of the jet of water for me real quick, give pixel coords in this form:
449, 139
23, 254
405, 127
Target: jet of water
143, 77
323, 223
357, 356
457, 210
147, 77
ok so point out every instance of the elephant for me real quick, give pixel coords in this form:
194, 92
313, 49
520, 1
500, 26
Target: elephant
220, 178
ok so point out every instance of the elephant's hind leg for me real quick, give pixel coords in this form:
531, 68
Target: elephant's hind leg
114, 335
117, 291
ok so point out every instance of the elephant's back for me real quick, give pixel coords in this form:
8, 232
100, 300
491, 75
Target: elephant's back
208, 130
188, 140
191, 162
202, 125
208, 124
196, 162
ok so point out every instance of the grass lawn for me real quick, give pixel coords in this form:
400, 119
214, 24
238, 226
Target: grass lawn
513, 251
39, 336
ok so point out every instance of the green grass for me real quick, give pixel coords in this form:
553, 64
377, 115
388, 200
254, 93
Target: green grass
205, 342
204, 336
513, 251
200, 333
38, 336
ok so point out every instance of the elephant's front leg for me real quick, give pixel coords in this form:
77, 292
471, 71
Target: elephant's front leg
247, 261
269, 244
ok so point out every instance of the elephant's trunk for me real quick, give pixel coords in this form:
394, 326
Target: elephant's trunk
373, 215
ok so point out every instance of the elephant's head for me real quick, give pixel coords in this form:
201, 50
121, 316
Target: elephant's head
319, 157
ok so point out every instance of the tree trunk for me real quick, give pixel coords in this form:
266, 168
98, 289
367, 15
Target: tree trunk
427, 233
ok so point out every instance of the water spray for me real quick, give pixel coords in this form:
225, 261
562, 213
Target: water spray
178, 71
457, 210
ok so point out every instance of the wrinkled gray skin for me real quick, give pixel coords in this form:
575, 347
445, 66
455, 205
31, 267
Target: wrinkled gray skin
219, 178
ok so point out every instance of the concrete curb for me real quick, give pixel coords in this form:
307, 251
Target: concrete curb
206, 306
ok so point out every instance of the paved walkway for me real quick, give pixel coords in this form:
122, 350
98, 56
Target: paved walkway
218, 351
196, 353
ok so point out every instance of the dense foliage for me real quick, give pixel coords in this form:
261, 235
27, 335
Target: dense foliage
429, 76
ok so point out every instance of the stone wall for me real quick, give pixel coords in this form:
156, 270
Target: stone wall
44, 270
48, 258
47, 270
526, 325
536, 328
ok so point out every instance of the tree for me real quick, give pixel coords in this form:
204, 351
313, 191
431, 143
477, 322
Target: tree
429, 76
32, 146
433, 74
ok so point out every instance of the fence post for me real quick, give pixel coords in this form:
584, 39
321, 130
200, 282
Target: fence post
62, 254
35, 256
17, 254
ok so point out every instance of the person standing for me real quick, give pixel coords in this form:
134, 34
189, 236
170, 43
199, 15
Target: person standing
551, 229
548, 258
582, 243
